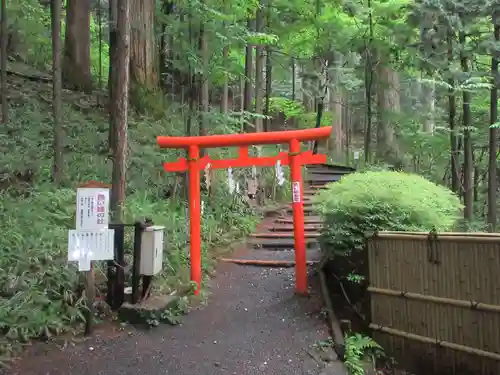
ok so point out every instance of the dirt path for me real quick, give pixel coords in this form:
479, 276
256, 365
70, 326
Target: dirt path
253, 324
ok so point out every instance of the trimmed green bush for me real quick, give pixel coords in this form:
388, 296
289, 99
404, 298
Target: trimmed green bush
382, 200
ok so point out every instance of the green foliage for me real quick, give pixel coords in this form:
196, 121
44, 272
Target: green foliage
39, 294
37, 288
308, 120
95, 52
383, 200
147, 101
359, 349
290, 108
262, 39
172, 315
29, 22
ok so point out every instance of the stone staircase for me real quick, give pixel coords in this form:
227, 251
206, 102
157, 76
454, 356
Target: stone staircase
275, 239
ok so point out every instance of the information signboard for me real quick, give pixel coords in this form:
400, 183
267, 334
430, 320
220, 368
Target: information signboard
92, 208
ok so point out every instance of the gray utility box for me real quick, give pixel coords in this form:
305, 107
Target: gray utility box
152, 250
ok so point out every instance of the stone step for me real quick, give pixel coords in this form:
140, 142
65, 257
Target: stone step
313, 255
308, 211
331, 168
314, 188
318, 179
306, 203
289, 227
280, 243
312, 219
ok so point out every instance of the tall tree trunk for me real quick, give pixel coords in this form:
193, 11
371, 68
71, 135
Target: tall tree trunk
427, 50
455, 180
166, 8
259, 71
346, 118
269, 72
388, 103
429, 106
76, 71
119, 108
269, 89
493, 144
247, 98
204, 102
294, 79
113, 15
369, 78
225, 61
225, 87
3, 63
242, 94
336, 107
58, 165
304, 88
143, 58
321, 90
192, 99
369, 75
468, 152
99, 26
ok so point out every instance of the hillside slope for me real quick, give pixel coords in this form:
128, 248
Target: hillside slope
37, 286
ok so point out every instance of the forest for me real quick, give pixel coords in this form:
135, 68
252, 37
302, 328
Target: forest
86, 86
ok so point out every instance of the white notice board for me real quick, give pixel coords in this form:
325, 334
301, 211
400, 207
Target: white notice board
92, 208
85, 246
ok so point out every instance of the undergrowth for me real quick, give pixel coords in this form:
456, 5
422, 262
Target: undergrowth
39, 291
360, 350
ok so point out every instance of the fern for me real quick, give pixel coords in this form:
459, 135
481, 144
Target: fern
357, 348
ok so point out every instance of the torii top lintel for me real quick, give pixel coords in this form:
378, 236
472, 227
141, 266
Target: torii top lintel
229, 140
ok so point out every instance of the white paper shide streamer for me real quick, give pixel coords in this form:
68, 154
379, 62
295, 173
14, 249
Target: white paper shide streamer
230, 181
208, 181
280, 175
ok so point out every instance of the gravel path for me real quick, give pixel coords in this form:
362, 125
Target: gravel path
253, 324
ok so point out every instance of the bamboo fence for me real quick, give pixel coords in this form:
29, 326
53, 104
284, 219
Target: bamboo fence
435, 300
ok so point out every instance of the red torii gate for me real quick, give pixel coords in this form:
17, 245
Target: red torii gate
295, 158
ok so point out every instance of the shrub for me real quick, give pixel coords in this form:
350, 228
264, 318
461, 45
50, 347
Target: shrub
382, 200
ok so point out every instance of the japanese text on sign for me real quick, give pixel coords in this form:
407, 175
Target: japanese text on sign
92, 208
296, 192
84, 246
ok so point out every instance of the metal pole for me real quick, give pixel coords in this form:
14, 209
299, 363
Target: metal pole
90, 292
194, 216
119, 296
116, 273
298, 218
136, 267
